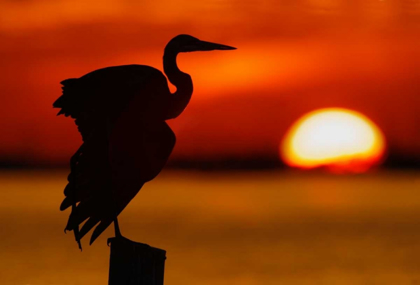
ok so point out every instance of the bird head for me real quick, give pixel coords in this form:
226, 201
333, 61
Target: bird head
187, 43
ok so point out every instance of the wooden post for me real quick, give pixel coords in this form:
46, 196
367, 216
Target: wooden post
133, 263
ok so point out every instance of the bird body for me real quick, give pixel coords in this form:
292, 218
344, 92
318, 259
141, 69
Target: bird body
105, 93
120, 112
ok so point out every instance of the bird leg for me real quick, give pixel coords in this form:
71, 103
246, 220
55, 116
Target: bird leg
117, 228
117, 232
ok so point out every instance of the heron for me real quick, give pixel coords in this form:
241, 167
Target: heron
121, 114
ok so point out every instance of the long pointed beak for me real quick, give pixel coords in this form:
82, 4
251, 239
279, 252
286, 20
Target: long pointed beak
206, 46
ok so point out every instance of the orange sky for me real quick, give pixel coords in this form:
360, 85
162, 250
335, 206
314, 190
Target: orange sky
293, 57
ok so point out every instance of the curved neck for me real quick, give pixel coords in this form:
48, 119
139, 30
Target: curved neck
181, 81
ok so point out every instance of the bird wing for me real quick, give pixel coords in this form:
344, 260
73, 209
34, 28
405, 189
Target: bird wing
111, 107
135, 158
97, 99
106, 176
89, 185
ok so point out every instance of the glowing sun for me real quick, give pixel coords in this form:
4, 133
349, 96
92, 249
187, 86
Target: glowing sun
340, 139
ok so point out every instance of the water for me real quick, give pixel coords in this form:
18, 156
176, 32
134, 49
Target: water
226, 228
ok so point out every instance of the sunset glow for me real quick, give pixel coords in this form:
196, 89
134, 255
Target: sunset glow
292, 57
340, 139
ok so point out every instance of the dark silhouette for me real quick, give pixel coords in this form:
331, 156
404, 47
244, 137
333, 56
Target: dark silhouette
120, 112
135, 263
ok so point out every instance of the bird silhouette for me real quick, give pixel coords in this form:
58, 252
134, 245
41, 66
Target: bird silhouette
120, 112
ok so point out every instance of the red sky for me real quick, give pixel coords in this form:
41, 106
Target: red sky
293, 57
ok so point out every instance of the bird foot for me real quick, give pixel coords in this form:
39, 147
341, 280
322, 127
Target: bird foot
119, 237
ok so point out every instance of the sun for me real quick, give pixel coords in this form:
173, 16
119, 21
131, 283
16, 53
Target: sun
340, 139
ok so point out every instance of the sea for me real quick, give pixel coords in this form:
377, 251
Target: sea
246, 228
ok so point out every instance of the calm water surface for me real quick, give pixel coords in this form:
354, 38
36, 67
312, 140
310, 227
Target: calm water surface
236, 228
